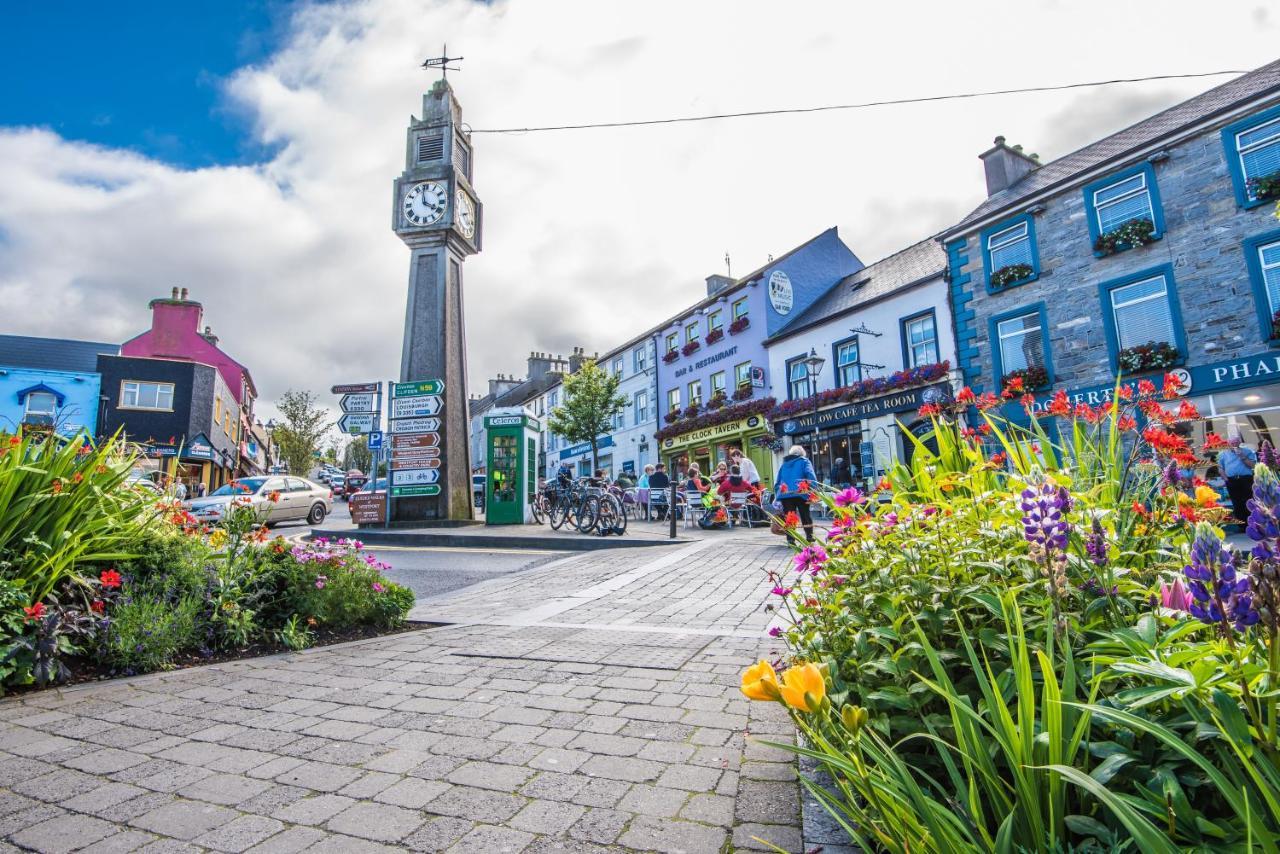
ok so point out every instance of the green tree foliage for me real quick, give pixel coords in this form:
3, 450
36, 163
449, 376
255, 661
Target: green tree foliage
302, 431
591, 401
357, 454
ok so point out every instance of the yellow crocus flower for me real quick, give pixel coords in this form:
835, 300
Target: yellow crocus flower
803, 688
760, 682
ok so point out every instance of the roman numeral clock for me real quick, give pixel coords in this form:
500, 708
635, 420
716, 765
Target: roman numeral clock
436, 213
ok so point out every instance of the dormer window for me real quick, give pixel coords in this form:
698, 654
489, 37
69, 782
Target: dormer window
430, 149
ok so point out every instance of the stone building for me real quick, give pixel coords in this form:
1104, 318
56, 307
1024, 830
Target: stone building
1155, 249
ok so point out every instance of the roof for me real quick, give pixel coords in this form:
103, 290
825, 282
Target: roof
1212, 104
910, 266
53, 354
528, 390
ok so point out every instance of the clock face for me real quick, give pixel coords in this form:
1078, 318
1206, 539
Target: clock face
465, 215
425, 203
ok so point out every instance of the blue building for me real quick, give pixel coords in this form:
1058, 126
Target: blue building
1155, 249
50, 382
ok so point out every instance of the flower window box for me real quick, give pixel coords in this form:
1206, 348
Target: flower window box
1148, 357
671, 417
1024, 380
717, 401
743, 392
714, 335
1138, 232
739, 325
1013, 274
691, 411
1275, 326
1264, 188
671, 356
691, 348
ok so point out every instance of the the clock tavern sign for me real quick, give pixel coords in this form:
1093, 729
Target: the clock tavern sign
435, 211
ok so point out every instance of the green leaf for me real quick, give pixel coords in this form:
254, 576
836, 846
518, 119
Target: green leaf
1110, 766
1143, 833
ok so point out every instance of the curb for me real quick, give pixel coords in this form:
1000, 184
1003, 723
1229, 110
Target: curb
421, 539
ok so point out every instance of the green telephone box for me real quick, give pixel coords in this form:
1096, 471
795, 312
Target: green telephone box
511, 472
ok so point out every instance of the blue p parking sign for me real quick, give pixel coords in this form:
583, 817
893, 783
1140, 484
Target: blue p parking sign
375, 441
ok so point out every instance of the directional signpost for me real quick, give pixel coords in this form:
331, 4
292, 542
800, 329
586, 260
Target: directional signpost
358, 423
414, 407
415, 425
362, 402
361, 405
414, 438
417, 389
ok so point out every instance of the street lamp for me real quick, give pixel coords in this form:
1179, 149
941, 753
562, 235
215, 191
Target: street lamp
813, 365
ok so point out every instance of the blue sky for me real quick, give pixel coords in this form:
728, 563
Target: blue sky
136, 74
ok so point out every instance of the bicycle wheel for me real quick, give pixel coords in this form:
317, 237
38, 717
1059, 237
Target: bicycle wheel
535, 510
587, 513
559, 513
613, 516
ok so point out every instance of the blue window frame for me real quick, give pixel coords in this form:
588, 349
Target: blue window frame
1020, 340
844, 355
1140, 308
1009, 244
1253, 151
919, 339
798, 387
1123, 197
1262, 260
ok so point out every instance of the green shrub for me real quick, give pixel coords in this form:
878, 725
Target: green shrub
337, 584
146, 632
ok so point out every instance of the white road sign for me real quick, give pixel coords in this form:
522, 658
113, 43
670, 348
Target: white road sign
358, 402
415, 425
357, 423
410, 477
416, 407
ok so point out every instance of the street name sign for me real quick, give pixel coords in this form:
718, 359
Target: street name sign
417, 425
416, 407
362, 402
417, 389
355, 388
408, 491
410, 477
357, 423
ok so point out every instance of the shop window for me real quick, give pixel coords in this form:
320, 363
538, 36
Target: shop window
1009, 254
848, 366
673, 341
717, 383
695, 393
714, 321
1126, 197
919, 340
1253, 155
742, 375
136, 394
798, 387
739, 308
1142, 309
1021, 342
1262, 259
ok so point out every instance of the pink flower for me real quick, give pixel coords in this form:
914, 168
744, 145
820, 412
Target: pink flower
377, 588
775, 632
811, 559
1175, 596
781, 591
320, 580
849, 497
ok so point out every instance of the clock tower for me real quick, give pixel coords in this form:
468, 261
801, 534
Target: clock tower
436, 213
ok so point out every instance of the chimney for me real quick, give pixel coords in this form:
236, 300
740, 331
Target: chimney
175, 294
183, 297
716, 283
539, 366
1006, 166
576, 359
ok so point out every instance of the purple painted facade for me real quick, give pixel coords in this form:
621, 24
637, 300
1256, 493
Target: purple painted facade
797, 278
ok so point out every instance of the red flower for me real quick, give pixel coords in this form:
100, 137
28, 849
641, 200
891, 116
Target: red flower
998, 459
77, 477
1127, 422
1214, 442
1141, 511
273, 496
97, 606
803, 485
1126, 393
782, 487
966, 396
35, 612
1059, 405
1082, 411
791, 519
884, 485
1188, 410
109, 578
1146, 388
984, 429
1170, 386
56, 487
987, 400
929, 410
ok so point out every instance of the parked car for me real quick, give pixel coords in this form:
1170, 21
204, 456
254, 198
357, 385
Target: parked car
338, 483
297, 499
379, 485
354, 480
477, 490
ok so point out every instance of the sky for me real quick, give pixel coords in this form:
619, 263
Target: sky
246, 151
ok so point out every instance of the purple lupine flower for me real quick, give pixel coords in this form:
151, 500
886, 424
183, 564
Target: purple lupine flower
1096, 545
1219, 596
1097, 591
1267, 455
1170, 476
1044, 506
849, 497
1263, 526
811, 559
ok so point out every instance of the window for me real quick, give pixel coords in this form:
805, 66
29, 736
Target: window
619, 421
1262, 258
713, 321
739, 308
797, 380
217, 410
691, 332
673, 400
553, 400
848, 371
1142, 308
135, 394
1253, 152
641, 403
919, 340
640, 358
617, 367
1010, 245
742, 374
717, 383
673, 341
1122, 198
1021, 342
695, 393
42, 403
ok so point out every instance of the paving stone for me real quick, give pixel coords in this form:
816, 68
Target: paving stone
412, 792
226, 789
313, 810
290, 841
184, 819
691, 778
672, 837
622, 768
368, 785
488, 775
600, 825
320, 776
601, 793
122, 842
64, 833
546, 817
170, 846
709, 809
767, 802
58, 785
267, 802
559, 759
466, 802
779, 771
241, 834
379, 822
105, 761
653, 800
134, 807
437, 834
768, 837
334, 844
488, 839
103, 797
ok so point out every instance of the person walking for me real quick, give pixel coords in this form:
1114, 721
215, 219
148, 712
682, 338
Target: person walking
1236, 464
743, 462
795, 478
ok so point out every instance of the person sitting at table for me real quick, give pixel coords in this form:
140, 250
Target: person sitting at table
659, 483
693, 480
735, 482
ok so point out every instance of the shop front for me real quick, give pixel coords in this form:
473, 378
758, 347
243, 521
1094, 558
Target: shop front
709, 445
579, 458
865, 433
191, 463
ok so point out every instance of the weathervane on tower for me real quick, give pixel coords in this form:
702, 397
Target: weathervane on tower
442, 62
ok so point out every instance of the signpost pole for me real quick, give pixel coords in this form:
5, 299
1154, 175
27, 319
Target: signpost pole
386, 523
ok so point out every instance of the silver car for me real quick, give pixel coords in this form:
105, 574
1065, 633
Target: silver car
296, 499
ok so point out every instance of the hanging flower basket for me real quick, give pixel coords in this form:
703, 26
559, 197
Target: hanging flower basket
714, 335
1011, 275
1138, 232
736, 412
717, 401
743, 392
691, 348
1147, 357
1264, 188
738, 325
691, 411
670, 356
1025, 379
671, 417
873, 387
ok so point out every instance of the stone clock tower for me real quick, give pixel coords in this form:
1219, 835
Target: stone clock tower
435, 211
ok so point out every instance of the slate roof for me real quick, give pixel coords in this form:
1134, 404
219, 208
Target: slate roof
1219, 100
53, 354
909, 266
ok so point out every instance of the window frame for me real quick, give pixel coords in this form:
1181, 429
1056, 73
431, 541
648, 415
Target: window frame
737, 384
139, 383
997, 229
733, 308
903, 322
723, 379
673, 342
640, 358
808, 385
51, 413
618, 366
1153, 194
714, 322
1235, 163
640, 411
1253, 264
1171, 295
673, 400
694, 400
993, 338
691, 332
835, 361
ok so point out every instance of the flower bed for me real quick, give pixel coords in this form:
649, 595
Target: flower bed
712, 419
1151, 356
1138, 232
864, 388
1011, 275
1048, 648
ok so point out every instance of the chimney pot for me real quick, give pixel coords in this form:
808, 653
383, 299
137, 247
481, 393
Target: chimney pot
184, 293
175, 293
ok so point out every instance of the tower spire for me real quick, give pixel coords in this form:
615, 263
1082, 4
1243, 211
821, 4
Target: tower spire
442, 62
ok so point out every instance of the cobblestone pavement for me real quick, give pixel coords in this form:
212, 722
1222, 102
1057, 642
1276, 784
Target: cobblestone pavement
587, 705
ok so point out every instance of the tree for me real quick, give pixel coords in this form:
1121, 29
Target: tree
304, 429
591, 401
358, 455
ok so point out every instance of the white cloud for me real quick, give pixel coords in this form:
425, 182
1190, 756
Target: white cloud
590, 236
